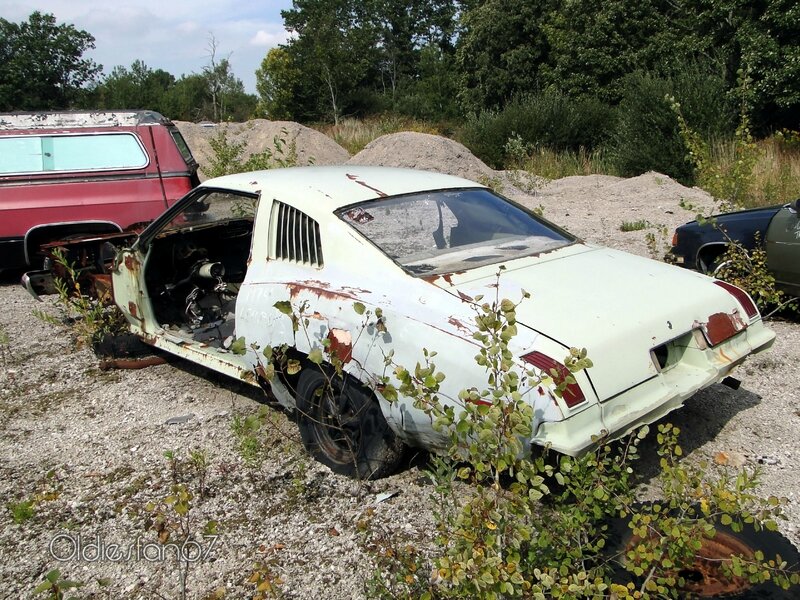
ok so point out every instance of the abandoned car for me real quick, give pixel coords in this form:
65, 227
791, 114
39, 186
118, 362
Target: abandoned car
79, 173
357, 263
702, 245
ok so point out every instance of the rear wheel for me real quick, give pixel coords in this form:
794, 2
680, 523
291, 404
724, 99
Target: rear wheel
342, 426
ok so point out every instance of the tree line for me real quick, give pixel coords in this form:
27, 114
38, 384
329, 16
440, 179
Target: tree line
509, 76
449, 58
42, 67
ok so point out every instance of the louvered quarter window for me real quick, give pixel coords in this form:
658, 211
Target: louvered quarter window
296, 236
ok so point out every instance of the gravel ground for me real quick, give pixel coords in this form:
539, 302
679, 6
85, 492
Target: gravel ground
86, 448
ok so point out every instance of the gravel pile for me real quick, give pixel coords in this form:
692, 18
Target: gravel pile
82, 451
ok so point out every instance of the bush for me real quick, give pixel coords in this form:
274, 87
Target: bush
647, 136
545, 120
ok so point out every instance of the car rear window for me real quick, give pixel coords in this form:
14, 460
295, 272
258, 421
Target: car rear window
444, 231
81, 152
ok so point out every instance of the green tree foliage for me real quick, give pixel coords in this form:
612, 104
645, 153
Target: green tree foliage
334, 45
216, 94
137, 87
42, 64
276, 80
349, 57
500, 48
545, 120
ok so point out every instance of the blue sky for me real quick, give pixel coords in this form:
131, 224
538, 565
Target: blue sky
172, 34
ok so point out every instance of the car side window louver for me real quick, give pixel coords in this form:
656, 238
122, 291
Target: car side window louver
296, 236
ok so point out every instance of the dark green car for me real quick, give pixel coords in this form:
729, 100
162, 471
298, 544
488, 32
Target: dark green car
701, 246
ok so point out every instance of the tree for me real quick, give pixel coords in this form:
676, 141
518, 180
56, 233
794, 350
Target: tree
500, 50
137, 87
276, 81
187, 100
226, 91
335, 45
42, 64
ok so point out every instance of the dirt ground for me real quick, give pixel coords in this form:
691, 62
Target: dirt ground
83, 471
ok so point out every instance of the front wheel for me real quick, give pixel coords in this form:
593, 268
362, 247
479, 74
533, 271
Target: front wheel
342, 426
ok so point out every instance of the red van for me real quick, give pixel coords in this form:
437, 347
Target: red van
73, 174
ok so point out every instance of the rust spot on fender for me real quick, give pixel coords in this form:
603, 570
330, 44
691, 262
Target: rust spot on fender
366, 185
321, 289
133, 309
341, 344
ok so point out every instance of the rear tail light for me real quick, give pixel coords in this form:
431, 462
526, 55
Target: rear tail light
572, 394
740, 295
675, 239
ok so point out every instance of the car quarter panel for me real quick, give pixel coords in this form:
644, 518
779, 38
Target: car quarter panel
783, 249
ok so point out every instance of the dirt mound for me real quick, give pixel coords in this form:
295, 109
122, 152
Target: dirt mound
259, 135
423, 151
595, 207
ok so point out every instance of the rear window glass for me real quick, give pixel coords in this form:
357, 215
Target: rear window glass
445, 231
58, 153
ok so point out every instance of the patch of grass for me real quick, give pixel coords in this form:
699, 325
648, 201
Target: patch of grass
555, 165
22, 511
354, 134
634, 225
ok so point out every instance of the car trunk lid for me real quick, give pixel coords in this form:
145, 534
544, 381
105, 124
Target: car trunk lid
616, 305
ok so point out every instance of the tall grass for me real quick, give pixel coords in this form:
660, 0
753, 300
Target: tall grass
776, 174
354, 134
555, 165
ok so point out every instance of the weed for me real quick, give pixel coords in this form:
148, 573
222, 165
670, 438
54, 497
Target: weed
267, 584
228, 158
91, 318
22, 511
639, 225
748, 270
354, 134
55, 586
5, 345
494, 538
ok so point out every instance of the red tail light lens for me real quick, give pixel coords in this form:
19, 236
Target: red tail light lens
740, 295
572, 394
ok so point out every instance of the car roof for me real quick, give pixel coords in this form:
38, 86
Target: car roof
329, 188
76, 119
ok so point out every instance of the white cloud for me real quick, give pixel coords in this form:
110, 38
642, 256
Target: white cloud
264, 38
173, 36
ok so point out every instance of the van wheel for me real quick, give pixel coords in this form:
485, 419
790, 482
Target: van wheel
342, 426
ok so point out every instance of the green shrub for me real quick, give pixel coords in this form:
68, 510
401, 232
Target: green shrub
647, 135
545, 120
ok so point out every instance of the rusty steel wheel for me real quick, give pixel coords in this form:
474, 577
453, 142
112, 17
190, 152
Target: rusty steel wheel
342, 426
705, 577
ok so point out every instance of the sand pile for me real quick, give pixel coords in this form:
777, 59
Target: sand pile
259, 135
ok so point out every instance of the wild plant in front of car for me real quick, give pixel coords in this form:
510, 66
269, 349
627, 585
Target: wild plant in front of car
535, 525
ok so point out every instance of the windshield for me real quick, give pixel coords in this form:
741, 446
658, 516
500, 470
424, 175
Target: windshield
452, 230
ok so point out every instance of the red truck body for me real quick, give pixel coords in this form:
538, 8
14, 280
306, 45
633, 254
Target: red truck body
73, 174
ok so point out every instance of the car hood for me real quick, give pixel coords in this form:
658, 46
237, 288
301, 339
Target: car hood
616, 305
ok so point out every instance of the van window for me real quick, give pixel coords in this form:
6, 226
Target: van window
95, 152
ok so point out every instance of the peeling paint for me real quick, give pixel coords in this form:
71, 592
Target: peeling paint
366, 185
131, 263
458, 324
341, 344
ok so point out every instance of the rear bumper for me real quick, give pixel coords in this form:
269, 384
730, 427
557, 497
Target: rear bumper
647, 402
